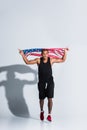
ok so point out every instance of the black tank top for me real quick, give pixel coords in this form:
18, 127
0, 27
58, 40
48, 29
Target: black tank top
44, 71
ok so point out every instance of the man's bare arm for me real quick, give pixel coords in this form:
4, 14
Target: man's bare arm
35, 61
56, 60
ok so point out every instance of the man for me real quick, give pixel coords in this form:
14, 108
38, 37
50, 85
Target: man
46, 82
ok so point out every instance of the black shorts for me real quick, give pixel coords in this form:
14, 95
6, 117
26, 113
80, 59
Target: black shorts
46, 89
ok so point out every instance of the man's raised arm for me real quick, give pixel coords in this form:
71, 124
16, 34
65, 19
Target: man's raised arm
35, 61
56, 60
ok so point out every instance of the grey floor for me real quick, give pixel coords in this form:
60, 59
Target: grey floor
33, 123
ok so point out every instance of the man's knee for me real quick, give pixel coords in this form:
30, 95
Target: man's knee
41, 100
49, 99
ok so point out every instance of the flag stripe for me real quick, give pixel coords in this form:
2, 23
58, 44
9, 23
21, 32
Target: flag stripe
53, 52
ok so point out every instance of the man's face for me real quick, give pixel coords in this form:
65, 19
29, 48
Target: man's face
45, 54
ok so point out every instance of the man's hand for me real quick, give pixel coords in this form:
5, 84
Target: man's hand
67, 49
27, 61
21, 52
59, 60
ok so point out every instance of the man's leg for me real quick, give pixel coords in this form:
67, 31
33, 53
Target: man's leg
41, 104
50, 104
50, 95
41, 108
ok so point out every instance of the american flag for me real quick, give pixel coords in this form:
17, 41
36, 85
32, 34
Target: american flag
53, 52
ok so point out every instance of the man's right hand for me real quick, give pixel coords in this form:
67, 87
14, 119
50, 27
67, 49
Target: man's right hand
21, 52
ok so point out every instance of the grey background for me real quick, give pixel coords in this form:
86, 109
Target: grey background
49, 23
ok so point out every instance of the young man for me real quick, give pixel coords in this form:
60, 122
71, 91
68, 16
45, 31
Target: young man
46, 82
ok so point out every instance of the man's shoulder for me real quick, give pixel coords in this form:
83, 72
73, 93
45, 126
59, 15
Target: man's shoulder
51, 60
38, 60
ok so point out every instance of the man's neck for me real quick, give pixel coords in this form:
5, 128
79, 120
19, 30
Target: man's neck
45, 59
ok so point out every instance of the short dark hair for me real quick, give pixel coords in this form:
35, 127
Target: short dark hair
44, 50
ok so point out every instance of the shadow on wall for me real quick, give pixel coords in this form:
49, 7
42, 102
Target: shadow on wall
14, 88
